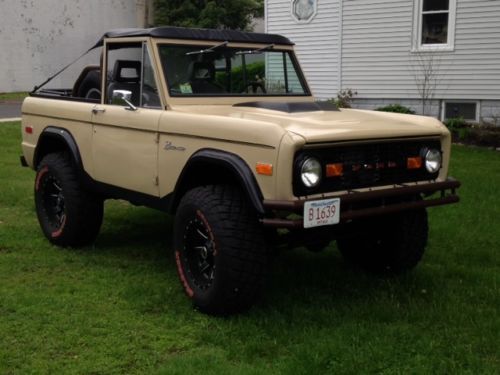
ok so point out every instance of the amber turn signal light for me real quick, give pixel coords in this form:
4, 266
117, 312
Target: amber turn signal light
334, 170
414, 162
264, 169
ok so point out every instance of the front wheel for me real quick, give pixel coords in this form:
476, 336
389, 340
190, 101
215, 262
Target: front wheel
387, 245
219, 249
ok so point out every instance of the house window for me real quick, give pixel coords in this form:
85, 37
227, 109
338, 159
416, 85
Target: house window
464, 109
434, 25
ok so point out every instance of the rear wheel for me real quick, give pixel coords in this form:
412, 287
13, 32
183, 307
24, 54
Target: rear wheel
388, 245
68, 215
219, 249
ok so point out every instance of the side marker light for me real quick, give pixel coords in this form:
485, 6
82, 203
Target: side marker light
264, 169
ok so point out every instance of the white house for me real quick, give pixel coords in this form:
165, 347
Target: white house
399, 51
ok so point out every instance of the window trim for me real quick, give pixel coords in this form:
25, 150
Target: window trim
417, 45
290, 52
478, 108
146, 48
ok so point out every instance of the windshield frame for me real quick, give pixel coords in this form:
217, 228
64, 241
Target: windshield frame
241, 46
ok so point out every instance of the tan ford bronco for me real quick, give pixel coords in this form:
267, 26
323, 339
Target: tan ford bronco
220, 129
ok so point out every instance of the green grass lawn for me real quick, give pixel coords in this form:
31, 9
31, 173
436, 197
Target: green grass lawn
13, 96
118, 307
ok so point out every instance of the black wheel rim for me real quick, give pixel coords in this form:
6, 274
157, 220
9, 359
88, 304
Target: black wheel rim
199, 253
53, 201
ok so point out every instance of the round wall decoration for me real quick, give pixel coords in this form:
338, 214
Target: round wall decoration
304, 10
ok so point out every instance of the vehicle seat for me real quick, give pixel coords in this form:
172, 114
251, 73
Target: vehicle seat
202, 78
126, 76
88, 84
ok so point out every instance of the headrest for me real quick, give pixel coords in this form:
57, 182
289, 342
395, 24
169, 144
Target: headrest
201, 70
127, 71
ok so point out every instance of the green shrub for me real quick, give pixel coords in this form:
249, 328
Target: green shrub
344, 98
463, 133
479, 135
455, 123
396, 108
237, 85
484, 136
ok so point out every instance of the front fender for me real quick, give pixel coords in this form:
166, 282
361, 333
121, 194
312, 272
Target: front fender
210, 166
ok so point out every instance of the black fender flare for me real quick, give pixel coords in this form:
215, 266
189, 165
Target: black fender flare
61, 135
227, 160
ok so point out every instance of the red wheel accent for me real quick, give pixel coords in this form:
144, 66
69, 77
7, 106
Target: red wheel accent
184, 282
39, 176
58, 232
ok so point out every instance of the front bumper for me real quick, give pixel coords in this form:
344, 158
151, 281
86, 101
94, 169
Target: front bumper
357, 204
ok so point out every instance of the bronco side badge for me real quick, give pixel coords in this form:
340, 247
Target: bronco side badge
169, 146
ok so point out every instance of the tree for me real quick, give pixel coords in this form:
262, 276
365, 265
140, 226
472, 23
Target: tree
214, 14
426, 69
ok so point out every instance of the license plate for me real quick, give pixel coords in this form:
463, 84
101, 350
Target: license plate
322, 212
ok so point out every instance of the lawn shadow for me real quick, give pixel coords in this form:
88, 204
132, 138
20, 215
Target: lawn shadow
297, 278
301, 279
136, 232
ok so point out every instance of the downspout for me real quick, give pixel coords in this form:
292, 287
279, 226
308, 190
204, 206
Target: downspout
146, 13
341, 23
265, 16
148, 9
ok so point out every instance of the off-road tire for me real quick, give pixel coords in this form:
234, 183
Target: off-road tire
389, 244
222, 269
90, 88
68, 215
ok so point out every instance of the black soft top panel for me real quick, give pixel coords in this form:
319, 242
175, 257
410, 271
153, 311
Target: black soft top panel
197, 34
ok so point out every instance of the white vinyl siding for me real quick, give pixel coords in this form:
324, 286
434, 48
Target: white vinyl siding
275, 75
377, 58
375, 48
376, 52
317, 42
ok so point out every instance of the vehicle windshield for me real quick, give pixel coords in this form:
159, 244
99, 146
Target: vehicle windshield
222, 71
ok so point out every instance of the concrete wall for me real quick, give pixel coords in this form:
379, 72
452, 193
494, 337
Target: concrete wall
39, 37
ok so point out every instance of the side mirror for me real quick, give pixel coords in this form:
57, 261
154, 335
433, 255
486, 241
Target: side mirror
123, 97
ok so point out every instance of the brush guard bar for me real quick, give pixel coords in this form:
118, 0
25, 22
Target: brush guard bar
357, 204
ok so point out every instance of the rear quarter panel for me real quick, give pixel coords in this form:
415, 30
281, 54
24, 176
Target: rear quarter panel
73, 116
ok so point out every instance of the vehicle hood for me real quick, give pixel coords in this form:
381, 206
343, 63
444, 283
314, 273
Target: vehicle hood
327, 125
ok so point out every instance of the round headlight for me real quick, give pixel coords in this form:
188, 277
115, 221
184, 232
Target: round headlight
433, 160
310, 172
